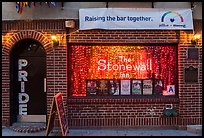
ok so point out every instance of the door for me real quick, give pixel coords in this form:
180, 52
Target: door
28, 71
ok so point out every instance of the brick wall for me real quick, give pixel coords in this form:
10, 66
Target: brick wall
12, 32
190, 94
86, 112
120, 113
102, 36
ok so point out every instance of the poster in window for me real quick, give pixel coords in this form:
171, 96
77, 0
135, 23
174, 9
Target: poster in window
103, 87
170, 90
158, 86
91, 87
147, 87
136, 87
125, 87
114, 87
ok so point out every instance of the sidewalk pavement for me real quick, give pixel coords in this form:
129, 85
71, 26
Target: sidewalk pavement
104, 132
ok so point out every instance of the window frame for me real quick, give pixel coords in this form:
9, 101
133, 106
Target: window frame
122, 96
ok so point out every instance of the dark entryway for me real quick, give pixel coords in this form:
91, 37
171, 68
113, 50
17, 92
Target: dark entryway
28, 82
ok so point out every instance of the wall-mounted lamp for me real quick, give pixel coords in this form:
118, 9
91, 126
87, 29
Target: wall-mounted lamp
195, 39
55, 40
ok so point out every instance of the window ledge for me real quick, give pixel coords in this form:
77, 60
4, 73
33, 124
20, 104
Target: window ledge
122, 99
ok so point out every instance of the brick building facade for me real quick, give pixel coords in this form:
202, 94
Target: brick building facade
84, 111
106, 112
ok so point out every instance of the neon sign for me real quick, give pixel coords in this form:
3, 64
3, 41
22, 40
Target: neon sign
102, 65
126, 65
121, 62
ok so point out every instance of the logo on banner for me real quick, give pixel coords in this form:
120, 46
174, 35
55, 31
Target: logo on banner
172, 20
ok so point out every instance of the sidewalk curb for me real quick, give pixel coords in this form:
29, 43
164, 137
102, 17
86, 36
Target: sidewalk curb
194, 128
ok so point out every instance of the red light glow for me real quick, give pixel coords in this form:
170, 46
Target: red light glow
121, 62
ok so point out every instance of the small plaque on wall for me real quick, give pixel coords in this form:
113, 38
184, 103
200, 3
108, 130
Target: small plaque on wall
191, 74
193, 53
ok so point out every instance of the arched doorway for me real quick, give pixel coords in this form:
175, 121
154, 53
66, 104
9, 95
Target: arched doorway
28, 82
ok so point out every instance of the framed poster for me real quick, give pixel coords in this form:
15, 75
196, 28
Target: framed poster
114, 87
147, 87
136, 87
158, 86
91, 87
103, 87
125, 87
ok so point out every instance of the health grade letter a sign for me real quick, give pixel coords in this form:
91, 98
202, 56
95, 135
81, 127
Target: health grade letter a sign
135, 18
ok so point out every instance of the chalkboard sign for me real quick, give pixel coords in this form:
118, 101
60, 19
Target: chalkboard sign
61, 114
58, 107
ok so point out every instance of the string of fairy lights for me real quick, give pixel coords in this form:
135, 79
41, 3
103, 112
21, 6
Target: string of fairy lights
21, 5
86, 65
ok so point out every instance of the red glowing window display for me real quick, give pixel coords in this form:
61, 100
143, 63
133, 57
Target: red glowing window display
120, 62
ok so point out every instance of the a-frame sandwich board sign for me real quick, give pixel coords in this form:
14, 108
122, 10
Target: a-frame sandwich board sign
58, 107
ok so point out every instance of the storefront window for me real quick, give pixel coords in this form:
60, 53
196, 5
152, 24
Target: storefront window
122, 70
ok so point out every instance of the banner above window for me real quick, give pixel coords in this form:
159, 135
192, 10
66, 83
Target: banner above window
135, 19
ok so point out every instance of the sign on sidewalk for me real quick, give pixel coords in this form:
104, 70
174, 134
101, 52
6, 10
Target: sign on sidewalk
57, 107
